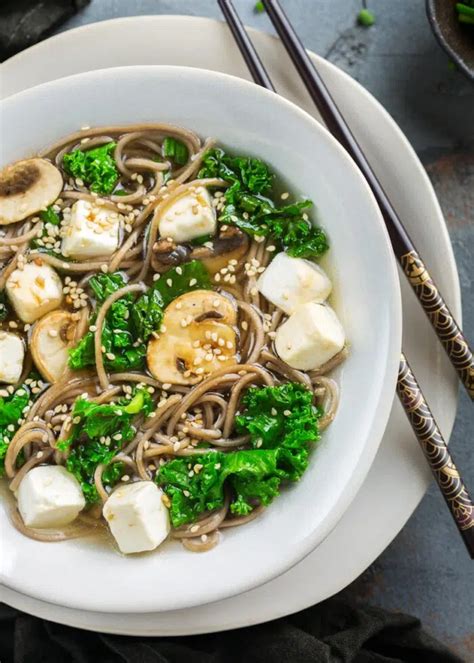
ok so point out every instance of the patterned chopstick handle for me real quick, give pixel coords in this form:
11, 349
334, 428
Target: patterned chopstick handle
437, 453
450, 335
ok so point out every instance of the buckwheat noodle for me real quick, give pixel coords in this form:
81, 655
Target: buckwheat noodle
184, 416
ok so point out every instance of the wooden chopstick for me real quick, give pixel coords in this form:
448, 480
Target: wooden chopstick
409, 392
426, 290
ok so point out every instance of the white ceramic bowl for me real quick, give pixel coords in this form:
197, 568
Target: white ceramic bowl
248, 120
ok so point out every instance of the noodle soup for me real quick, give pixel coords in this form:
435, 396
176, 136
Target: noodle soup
165, 337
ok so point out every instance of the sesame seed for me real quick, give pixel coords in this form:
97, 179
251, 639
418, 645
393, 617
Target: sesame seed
125, 477
194, 528
245, 325
287, 413
179, 270
53, 332
285, 195
166, 385
156, 277
271, 248
192, 282
259, 443
169, 282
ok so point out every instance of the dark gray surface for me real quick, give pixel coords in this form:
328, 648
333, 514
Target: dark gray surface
426, 570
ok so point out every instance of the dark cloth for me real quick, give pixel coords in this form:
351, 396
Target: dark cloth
331, 632
24, 22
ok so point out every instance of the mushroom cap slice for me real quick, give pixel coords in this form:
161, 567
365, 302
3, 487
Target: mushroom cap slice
200, 338
51, 338
26, 187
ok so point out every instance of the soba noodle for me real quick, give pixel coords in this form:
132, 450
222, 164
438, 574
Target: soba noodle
188, 420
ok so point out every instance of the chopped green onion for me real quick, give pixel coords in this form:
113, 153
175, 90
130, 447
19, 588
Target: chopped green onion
464, 18
464, 9
175, 150
259, 7
366, 18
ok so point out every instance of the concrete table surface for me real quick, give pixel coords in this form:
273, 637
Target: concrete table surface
426, 570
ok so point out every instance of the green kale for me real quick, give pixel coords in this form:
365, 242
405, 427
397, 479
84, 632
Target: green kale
118, 337
175, 150
98, 434
11, 412
129, 323
96, 167
4, 308
249, 206
281, 422
147, 312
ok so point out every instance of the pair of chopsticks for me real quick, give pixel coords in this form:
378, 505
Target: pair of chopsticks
449, 333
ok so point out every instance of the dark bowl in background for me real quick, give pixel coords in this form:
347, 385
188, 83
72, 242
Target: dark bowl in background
456, 39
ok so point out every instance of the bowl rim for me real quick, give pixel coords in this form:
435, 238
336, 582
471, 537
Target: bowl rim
431, 12
374, 429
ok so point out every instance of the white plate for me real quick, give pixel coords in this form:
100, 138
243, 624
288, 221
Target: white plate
235, 112
399, 475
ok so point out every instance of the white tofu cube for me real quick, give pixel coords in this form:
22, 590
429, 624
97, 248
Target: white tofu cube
12, 353
34, 291
289, 282
90, 231
49, 496
189, 216
137, 517
310, 337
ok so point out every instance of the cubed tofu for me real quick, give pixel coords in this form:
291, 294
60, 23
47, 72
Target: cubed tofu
90, 231
289, 282
12, 353
49, 496
137, 517
189, 216
310, 337
34, 290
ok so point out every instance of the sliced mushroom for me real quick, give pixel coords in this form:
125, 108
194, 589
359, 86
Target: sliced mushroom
51, 338
199, 329
230, 244
26, 187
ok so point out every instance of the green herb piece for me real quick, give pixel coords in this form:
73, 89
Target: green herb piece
100, 431
147, 312
281, 422
466, 10
4, 308
259, 7
11, 411
96, 167
175, 150
366, 18
199, 241
464, 18
50, 216
249, 206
